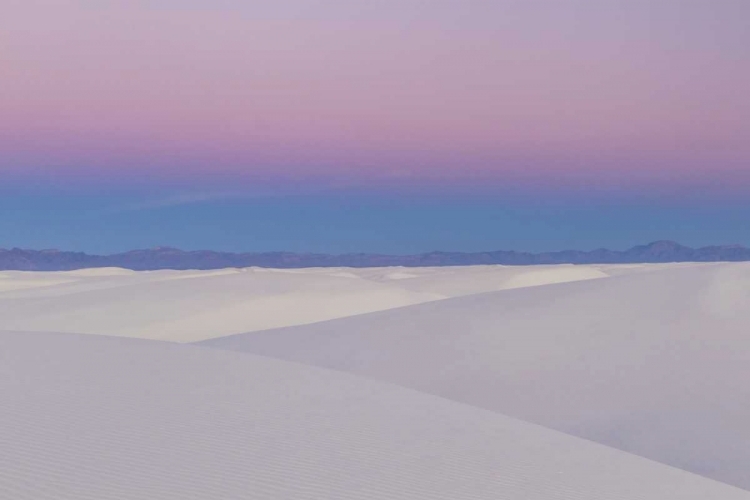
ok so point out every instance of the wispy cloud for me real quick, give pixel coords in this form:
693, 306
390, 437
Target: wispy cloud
175, 200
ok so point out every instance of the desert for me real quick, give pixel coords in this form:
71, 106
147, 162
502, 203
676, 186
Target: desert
543, 382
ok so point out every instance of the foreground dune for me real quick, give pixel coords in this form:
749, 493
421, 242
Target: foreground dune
94, 417
185, 306
653, 363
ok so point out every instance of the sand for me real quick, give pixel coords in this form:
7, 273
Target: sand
461, 383
653, 363
187, 306
97, 418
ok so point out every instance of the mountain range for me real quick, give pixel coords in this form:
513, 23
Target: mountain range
172, 258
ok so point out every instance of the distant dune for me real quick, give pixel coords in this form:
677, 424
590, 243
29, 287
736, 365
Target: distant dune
172, 258
97, 418
186, 306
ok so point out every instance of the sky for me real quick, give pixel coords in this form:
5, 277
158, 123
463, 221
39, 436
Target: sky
394, 126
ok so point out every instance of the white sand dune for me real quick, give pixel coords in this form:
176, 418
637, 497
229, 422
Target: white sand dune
99, 272
15, 281
89, 417
185, 306
655, 363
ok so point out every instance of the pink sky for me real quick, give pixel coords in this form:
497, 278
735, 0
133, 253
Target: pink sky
631, 93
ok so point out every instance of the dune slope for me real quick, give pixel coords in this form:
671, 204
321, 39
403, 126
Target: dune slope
94, 417
654, 363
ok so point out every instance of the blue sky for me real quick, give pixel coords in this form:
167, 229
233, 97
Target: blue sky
357, 222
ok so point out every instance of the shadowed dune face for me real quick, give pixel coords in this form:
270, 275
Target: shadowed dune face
96, 417
654, 363
185, 306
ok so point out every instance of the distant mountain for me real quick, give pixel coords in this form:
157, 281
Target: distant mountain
172, 258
